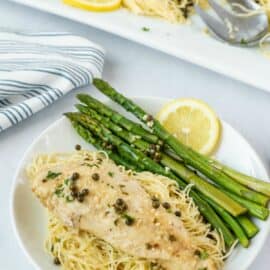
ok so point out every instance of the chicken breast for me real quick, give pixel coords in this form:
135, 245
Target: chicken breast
100, 198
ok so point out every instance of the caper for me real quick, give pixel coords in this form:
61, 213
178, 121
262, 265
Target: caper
75, 176
149, 118
152, 146
172, 238
56, 261
73, 188
84, 192
120, 206
78, 147
119, 201
129, 221
74, 194
166, 205
80, 198
109, 147
155, 204
95, 176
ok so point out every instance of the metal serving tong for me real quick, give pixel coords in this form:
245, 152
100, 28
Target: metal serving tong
245, 24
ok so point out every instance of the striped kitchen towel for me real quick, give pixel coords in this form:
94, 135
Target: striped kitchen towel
38, 68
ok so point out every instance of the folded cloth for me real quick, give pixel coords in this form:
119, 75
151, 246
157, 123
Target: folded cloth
38, 68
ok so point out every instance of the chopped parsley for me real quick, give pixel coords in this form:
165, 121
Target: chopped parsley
145, 29
52, 175
90, 165
67, 181
59, 191
111, 174
128, 219
70, 198
203, 255
243, 42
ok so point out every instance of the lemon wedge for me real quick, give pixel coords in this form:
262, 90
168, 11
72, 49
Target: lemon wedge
95, 5
193, 122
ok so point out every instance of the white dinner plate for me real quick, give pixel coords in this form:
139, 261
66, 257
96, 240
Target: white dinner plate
188, 42
29, 217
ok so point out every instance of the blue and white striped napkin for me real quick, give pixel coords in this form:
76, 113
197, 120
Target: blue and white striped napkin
38, 68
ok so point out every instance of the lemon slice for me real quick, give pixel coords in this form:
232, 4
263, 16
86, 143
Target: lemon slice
193, 122
95, 5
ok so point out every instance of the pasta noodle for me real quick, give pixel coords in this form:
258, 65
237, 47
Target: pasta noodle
171, 10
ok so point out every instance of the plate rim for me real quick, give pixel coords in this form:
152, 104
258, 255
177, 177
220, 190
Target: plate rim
15, 230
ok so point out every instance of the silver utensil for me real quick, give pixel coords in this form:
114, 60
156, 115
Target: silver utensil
246, 23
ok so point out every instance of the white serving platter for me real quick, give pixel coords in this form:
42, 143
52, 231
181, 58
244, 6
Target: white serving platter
187, 42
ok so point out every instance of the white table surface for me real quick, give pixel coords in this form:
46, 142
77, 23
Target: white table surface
136, 70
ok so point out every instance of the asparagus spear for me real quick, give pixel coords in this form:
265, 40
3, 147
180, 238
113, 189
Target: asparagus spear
143, 163
249, 181
232, 223
118, 118
124, 149
122, 121
254, 209
248, 226
202, 185
191, 157
128, 136
88, 137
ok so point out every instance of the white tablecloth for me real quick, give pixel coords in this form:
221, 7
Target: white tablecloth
245, 108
